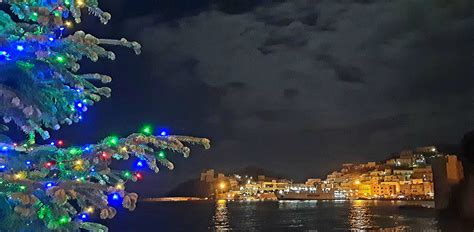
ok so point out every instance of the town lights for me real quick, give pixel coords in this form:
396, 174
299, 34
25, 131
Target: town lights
222, 185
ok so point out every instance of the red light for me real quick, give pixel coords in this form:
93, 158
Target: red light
49, 164
60, 142
104, 155
138, 176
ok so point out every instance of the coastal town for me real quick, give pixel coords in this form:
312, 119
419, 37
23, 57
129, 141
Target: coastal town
406, 176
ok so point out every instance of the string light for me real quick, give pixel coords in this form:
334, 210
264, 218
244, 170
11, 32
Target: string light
60, 142
114, 197
138, 176
48, 164
20, 175
119, 186
84, 216
90, 209
60, 59
20, 48
139, 164
104, 155
49, 185
64, 220
163, 133
113, 140
147, 130
80, 3
162, 155
127, 174
68, 24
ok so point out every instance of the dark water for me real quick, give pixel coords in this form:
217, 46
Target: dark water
276, 216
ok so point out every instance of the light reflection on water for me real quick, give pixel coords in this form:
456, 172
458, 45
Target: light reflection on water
278, 216
220, 220
360, 216
356, 215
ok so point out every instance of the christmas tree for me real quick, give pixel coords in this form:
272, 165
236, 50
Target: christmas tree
51, 186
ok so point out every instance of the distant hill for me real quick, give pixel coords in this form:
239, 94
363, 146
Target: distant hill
256, 171
190, 188
197, 188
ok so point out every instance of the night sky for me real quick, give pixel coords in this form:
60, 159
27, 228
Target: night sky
297, 87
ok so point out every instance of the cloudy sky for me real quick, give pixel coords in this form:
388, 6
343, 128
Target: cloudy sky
297, 87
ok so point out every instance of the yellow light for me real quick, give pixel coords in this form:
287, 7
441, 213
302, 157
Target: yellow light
124, 149
222, 185
79, 162
357, 182
68, 23
120, 186
20, 176
90, 209
80, 3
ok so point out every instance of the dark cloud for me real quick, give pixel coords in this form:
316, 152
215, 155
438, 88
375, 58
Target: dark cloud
365, 78
290, 93
349, 74
237, 85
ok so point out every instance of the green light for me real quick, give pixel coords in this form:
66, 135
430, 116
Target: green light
64, 220
22, 187
147, 130
162, 154
75, 151
113, 140
127, 174
60, 59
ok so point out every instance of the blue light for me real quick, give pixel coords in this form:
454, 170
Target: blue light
163, 133
61, 28
3, 167
49, 185
80, 117
79, 105
92, 169
3, 53
28, 162
84, 216
139, 163
114, 198
5, 148
20, 48
52, 143
51, 39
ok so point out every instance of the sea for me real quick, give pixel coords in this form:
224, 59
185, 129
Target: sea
347, 215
